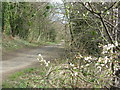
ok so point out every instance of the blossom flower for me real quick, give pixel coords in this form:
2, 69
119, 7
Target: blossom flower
47, 64
61, 72
40, 59
96, 64
107, 47
87, 64
71, 64
106, 59
100, 59
79, 56
116, 43
102, 65
82, 66
44, 61
48, 61
88, 58
106, 66
103, 52
39, 55
99, 67
76, 73
75, 68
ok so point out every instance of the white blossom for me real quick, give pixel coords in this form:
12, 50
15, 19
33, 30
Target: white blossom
106, 66
87, 64
71, 64
99, 67
107, 47
116, 43
83, 14
46, 64
100, 59
76, 73
96, 64
75, 68
82, 66
102, 65
48, 61
61, 72
108, 12
103, 2
88, 58
79, 56
106, 59
40, 59
39, 55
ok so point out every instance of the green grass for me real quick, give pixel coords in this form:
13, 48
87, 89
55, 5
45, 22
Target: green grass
27, 78
51, 43
13, 44
17, 74
6, 85
10, 82
8, 44
47, 43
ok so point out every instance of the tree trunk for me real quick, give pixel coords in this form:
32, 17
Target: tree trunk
12, 31
3, 10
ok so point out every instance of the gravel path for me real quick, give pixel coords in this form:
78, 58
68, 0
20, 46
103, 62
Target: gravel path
24, 58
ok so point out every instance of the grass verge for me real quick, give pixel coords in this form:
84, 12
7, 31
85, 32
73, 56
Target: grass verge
9, 44
59, 74
23, 79
31, 77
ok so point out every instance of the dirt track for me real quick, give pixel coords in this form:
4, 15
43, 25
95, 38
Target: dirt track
24, 58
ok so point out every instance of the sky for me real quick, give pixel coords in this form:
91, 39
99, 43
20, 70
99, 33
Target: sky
58, 1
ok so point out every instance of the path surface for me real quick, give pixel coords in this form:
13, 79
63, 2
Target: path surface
21, 59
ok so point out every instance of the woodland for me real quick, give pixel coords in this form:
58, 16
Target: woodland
90, 32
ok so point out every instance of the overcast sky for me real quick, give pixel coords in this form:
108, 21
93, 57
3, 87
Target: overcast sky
58, 1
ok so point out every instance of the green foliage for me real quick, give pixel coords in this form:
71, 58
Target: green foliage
52, 34
48, 7
8, 44
7, 85
85, 31
23, 19
13, 77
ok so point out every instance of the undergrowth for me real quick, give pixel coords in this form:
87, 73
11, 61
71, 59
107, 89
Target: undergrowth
9, 43
80, 72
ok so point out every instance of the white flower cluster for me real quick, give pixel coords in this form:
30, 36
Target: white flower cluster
74, 66
108, 47
40, 59
78, 56
71, 64
89, 58
107, 56
103, 62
